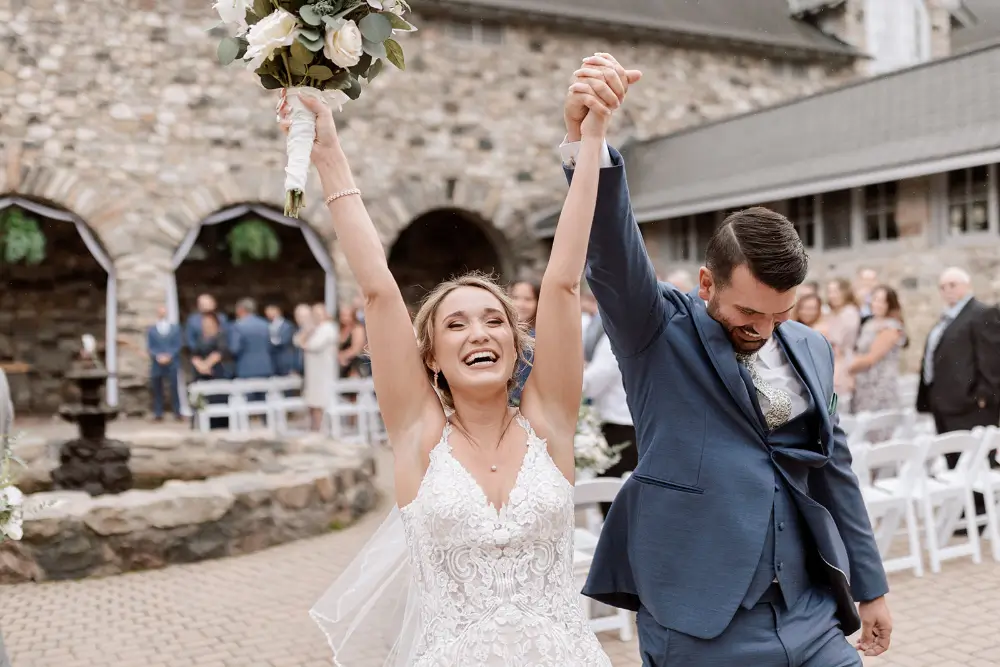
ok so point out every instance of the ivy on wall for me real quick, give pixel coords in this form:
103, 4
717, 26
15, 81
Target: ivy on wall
21, 238
252, 240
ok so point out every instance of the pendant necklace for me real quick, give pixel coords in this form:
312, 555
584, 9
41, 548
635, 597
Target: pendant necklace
493, 468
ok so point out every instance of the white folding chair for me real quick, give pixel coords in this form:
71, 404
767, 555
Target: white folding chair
348, 420
987, 482
890, 501
229, 409
587, 494
946, 495
243, 388
285, 398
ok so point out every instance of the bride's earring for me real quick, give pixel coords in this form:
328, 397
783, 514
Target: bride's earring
436, 374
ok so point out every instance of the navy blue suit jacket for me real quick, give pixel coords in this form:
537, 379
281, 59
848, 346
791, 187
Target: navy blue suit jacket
158, 344
283, 354
250, 345
684, 537
192, 329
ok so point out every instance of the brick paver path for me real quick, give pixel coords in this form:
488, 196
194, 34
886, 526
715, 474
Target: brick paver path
251, 611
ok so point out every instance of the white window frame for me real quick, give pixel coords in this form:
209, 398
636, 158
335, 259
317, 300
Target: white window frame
941, 208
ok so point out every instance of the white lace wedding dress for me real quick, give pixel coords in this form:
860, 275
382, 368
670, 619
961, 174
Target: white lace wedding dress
495, 588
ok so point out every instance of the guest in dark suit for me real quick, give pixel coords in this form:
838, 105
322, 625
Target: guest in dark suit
163, 341
960, 375
282, 332
250, 344
742, 537
192, 328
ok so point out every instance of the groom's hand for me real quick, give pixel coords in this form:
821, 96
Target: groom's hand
606, 79
876, 627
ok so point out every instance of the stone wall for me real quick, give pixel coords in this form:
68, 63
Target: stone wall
214, 496
44, 310
120, 113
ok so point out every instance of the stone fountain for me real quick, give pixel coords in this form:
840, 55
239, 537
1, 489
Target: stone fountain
91, 463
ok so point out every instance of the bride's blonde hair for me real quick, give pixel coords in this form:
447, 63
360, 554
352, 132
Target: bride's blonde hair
423, 324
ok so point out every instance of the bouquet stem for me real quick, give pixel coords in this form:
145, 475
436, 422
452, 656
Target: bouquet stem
301, 136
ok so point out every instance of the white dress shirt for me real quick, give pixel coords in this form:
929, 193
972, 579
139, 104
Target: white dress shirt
602, 384
163, 327
773, 365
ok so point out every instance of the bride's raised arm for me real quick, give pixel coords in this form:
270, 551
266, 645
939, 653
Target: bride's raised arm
551, 397
404, 393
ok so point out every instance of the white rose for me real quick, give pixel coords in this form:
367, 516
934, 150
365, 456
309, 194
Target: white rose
343, 46
272, 32
12, 497
234, 13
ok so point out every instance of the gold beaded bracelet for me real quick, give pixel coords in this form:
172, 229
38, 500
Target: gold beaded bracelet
343, 193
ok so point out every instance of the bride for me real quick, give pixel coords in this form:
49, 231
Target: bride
474, 565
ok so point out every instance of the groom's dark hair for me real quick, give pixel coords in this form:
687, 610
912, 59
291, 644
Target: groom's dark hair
766, 242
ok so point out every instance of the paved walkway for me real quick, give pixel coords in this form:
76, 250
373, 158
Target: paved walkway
251, 611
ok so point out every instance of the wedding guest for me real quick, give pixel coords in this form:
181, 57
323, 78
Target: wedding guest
163, 341
192, 328
864, 287
318, 338
210, 358
843, 325
525, 296
281, 332
809, 311
602, 384
352, 341
875, 365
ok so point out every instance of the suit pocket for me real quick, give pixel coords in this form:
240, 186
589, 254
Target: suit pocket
665, 484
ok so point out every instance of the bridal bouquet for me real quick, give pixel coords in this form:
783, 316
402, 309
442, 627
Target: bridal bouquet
593, 454
308, 47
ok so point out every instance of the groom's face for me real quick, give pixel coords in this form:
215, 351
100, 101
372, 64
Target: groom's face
747, 309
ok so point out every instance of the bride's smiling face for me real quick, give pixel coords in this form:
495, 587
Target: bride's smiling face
473, 341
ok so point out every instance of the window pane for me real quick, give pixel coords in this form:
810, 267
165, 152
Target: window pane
978, 217
704, 227
891, 230
492, 33
956, 219
677, 239
837, 219
872, 232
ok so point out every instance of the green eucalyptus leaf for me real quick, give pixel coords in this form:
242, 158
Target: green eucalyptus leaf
353, 90
312, 45
311, 34
300, 54
320, 72
229, 50
394, 53
333, 23
297, 68
374, 70
309, 15
262, 8
373, 49
399, 23
270, 83
375, 28
340, 81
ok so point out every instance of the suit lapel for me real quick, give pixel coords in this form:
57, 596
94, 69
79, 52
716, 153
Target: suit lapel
953, 327
799, 353
720, 352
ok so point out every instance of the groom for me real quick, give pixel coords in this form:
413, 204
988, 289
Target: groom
742, 537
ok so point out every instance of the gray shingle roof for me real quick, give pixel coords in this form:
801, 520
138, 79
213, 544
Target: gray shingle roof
985, 30
763, 23
906, 120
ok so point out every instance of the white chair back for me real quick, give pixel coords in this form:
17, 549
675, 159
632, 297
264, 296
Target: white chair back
597, 490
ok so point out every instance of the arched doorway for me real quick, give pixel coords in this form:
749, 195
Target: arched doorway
208, 262
439, 245
50, 296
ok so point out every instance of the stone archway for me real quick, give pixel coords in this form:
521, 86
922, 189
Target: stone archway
46, 307
443, 243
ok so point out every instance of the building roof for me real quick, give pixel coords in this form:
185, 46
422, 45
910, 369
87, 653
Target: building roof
755, 23
941, 115
985, 26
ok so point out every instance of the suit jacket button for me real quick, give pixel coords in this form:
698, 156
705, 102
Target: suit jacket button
781, 525
779, 566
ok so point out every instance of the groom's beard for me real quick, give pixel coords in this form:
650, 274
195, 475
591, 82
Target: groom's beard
740, 344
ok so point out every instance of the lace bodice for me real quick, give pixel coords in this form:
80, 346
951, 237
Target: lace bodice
496, 587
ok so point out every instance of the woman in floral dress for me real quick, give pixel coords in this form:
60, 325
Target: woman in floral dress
875, 365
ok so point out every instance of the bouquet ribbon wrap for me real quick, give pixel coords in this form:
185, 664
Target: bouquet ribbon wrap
301, 136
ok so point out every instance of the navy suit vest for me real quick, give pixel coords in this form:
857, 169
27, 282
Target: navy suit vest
784, 557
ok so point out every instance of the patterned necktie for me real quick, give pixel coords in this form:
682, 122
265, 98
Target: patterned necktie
780, 403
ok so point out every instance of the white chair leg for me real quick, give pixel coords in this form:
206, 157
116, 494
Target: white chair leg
972, 529
930, 530
913, 532
992, 520
625, 631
